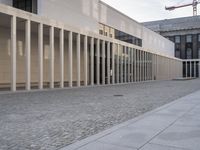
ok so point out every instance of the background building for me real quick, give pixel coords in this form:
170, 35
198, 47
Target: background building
65, 43
185, 33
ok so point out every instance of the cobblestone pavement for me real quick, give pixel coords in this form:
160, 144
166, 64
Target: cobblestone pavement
50, 120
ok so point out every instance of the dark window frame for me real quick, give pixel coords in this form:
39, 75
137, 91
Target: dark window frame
26, 5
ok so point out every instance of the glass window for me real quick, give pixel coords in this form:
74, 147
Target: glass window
199, 37
26, 5
178, 53
177, 39
199, 53
101, 29
113, 33
189, 53
189, 38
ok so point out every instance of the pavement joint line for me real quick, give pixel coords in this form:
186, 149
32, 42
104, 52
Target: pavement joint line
88, 140
167, 127
116, 145
169, 146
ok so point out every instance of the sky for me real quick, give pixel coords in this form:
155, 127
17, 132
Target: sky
150, 10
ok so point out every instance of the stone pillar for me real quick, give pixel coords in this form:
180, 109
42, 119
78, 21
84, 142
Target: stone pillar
128, 65
108, 63
125, 64
61, 58
113, 63
140, 68
70, 59
51, 57
190, 69
103, 62
195, 71
117, 69
40, 54
121, 69
132, 65
78, 40
199, 68
13, 52
135, 66
92, 61
145, 72
85, 61
98, 62
28, 53
186, 68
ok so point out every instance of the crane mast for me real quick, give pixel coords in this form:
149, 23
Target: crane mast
193, 4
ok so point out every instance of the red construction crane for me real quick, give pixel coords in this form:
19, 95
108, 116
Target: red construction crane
193, 4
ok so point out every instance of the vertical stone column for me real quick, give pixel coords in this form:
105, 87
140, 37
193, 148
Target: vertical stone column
152, 68
125, 64
85, 61
51, 57
145, 71
121, 69
78, 40
92, 61
70, 71
103, 62
28, 53
186, 68
147, 66
108, 63
117, 69
199, 68
140, 65
61, 58
40, 54
13, 52
128, 68
113, 63
98, 62
132, 65
190, 69
195, 71
135, 66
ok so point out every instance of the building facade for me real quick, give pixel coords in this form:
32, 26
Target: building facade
64, 43
185, 33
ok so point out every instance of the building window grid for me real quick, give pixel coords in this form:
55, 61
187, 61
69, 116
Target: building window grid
188, 38
177, 39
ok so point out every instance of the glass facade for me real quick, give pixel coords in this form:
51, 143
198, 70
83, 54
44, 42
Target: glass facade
26, 5
122, 36
189, 53
199, 37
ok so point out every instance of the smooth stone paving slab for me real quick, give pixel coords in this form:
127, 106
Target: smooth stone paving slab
104, 146
160, 147
180, 136
174, 126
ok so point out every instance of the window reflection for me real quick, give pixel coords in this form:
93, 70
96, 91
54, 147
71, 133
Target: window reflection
122, 36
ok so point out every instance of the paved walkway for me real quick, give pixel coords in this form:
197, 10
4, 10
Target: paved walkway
175, 126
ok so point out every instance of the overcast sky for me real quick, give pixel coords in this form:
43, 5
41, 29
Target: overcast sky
149, 10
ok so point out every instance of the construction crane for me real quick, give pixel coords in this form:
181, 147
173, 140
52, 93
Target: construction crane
193, 4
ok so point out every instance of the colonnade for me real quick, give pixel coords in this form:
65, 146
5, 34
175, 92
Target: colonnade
99, 60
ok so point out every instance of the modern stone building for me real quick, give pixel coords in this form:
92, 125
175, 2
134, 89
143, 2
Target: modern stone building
185, 33
65, 43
